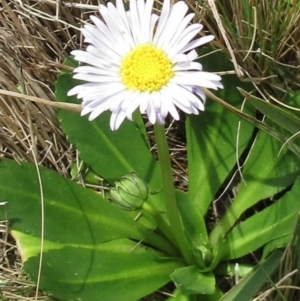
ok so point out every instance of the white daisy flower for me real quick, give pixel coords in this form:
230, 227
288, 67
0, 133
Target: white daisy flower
139, 60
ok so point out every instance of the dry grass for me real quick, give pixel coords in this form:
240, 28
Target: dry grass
263, 40
36, 36
30, 53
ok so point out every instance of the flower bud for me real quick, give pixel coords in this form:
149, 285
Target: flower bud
130, 192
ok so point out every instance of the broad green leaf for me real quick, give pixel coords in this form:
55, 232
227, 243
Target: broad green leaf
88, 252
190, 281
213, 145
177, 295
117, 270
272, 223
111, 154
247, 288
266, 173
73, 215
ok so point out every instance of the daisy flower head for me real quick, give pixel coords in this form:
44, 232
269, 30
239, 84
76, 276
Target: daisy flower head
139, 60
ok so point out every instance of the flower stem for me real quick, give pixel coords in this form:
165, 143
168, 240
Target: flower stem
169, 192
160, 223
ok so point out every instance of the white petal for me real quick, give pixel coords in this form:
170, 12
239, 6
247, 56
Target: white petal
165, 11
197, 43
192, 55
176, 16
218, 84
181, 57
101, 49
74, 91
116, 119
182, 25
185, 107
85, 111
151, 112
144, 104
86, 57
148, 20
96, 78
112, 39
95, 70
187, 35
159, 118
171, 108
201, 94
194, 77
134, 21
96, 112
92, 36
153, 22
186, 96
187, 66
83, 87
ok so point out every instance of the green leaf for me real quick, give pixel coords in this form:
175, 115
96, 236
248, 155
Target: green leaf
292, 241
274, 222
85, 173
87, 241
233, 269
73, 215
194, 225
70, 61
110, 154
177, 295
212, 140
190, 281
265, 174
117, 270
286, 119
250, 285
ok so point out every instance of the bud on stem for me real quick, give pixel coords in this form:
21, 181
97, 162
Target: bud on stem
130, 192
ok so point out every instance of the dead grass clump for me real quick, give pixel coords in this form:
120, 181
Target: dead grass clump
264, 41
31, 51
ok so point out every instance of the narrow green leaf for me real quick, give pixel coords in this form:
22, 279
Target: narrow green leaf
247, 288
286, 119
287, 240
193, 222
265, 174
259, 124
117, 270
274, 222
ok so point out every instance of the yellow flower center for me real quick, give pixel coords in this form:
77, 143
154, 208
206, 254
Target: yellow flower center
146, 68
